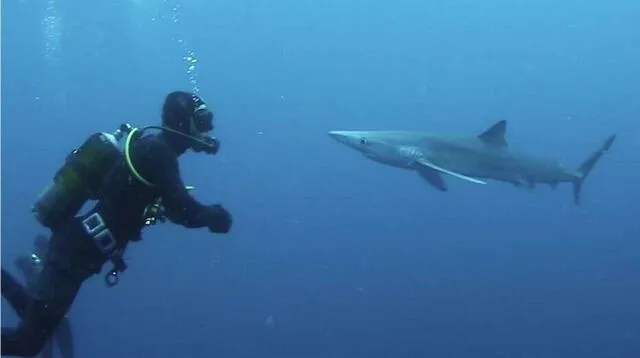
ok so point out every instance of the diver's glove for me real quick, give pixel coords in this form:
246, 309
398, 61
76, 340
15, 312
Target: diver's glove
220, 219
212, 145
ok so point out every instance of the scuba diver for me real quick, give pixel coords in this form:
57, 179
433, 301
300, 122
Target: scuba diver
30, 266
133, 180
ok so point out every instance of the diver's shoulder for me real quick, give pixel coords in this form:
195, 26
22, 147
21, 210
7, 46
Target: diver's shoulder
152, 143
153, 148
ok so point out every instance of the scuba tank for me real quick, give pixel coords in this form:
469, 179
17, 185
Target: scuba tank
79, 179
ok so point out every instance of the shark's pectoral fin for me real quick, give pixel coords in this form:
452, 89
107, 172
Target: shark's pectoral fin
433, 177
428, 164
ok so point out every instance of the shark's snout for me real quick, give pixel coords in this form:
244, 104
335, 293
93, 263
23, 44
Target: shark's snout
340, 136
335, 134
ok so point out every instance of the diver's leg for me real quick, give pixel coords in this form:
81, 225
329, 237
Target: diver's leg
47, 350
33, 332
55, 291
14, 292
64, 337
71, 258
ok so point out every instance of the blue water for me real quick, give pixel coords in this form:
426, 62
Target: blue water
332, 255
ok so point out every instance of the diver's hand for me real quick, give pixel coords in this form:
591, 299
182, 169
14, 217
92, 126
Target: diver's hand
221, 219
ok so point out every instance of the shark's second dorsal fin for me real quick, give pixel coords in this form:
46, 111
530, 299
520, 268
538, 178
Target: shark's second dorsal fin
495, 135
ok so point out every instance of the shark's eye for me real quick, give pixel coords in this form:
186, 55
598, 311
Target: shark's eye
363, 141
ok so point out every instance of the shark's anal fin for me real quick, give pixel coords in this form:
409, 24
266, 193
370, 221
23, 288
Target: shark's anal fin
495, 135
448, 172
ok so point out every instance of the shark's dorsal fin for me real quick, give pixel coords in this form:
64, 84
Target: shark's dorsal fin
495, 135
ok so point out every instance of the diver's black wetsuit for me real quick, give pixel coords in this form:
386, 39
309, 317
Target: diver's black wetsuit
73, 257
31, 266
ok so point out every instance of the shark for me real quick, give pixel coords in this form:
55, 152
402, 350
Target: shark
473, 158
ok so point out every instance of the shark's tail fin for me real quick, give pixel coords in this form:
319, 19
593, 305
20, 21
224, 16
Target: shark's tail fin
587, 166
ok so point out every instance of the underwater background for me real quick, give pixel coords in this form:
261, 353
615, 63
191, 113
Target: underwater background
333, 255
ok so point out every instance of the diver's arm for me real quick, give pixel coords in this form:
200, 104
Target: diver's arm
181, 208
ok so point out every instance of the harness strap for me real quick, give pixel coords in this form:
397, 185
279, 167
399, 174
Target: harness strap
104, 240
